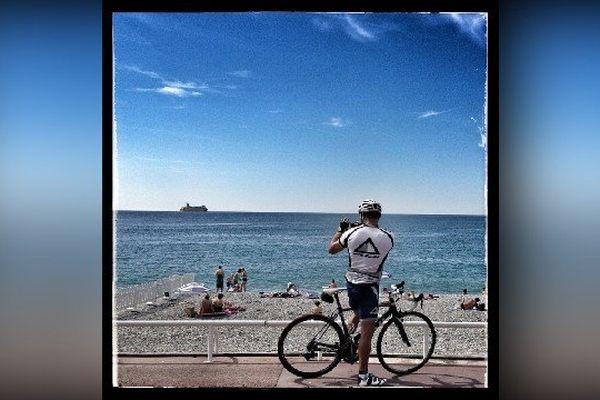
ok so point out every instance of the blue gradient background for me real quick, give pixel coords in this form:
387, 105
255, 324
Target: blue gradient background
50, 174
549, 208
50, 154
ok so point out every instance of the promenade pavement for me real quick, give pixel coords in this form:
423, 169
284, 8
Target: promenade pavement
267, 372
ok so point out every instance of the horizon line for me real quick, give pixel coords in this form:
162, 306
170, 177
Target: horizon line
309, 212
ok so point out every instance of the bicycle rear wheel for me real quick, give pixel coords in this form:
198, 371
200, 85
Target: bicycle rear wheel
310, 346
406, 343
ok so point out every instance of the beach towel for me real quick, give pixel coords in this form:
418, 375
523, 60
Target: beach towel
214, 314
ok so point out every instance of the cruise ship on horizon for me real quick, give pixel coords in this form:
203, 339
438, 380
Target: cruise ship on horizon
187, 207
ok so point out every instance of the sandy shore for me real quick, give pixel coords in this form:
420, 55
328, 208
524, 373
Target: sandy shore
471, 342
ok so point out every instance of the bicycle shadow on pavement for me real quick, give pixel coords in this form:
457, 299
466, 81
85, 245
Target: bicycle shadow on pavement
435, 380
430, 377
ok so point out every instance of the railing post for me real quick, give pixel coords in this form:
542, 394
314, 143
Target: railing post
209, 352
425, 343
215, 342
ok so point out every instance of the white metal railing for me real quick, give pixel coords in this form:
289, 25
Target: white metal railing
138, 294
213, 338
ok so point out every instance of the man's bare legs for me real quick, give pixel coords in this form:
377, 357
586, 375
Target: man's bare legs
364, 345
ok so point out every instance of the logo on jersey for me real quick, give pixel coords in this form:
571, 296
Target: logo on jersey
367, 249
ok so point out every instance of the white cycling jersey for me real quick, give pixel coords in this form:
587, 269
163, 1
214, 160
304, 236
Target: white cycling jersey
368, 248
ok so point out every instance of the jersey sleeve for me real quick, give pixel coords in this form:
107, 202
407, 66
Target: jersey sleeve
390, 235
343, 240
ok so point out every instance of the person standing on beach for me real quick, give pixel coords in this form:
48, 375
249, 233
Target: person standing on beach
220, 274
368, 247
244, 279
230, 282
237, 281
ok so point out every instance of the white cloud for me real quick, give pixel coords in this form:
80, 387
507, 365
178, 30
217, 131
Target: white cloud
428, 114
356, 31
141, 71
170, 91
185, 85
244, 73
336, 122
345, 22
473, 25
170, 87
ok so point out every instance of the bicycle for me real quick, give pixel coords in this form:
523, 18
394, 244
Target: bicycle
313, 344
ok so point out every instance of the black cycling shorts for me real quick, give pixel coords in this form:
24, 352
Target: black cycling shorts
364, 299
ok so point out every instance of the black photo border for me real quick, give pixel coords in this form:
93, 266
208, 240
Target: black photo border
110, 7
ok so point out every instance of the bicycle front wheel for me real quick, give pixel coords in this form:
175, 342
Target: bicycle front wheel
406, 343
310, 346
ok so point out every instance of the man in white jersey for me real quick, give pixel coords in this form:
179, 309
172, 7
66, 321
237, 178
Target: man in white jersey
368, 247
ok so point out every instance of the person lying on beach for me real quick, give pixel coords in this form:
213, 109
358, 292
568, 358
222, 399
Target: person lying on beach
292, 290
280, 294
472, 304
333, 285
230, 308
411, 296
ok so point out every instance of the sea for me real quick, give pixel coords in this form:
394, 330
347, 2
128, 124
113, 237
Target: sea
437, 254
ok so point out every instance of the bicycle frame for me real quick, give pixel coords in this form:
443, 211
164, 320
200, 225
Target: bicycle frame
392, 310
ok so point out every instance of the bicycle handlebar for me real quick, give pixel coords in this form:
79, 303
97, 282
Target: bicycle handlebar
399, 287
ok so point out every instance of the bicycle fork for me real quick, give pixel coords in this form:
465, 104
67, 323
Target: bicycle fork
402, 332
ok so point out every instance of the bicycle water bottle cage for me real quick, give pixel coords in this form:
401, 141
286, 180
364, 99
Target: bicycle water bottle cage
326, 297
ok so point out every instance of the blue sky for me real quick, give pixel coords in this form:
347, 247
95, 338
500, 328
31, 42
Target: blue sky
300, 111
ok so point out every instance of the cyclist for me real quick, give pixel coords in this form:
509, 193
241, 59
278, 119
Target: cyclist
368, 247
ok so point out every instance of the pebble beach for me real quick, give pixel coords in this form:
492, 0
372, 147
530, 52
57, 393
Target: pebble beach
155, 340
